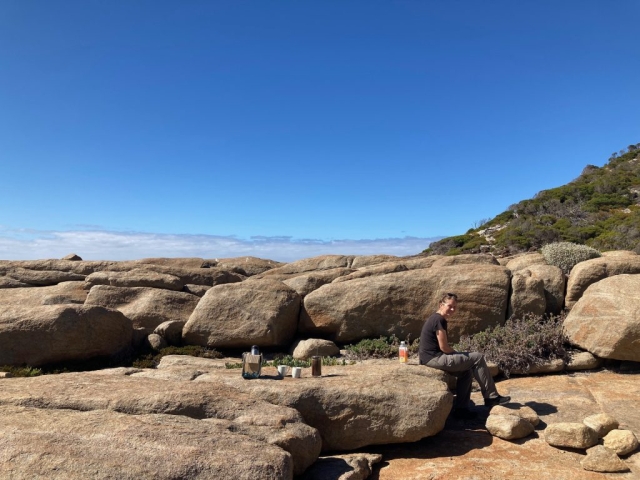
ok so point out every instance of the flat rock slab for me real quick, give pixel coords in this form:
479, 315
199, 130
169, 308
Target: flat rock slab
467, 451
351, 406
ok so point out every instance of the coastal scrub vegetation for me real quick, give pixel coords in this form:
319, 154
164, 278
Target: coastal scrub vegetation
565, 255
601, 209
520, 343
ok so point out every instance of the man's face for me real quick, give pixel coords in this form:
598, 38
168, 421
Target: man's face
448, 308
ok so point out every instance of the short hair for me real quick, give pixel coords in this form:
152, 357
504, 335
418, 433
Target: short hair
448, 296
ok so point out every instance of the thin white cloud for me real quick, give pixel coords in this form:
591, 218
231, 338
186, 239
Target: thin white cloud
107, 245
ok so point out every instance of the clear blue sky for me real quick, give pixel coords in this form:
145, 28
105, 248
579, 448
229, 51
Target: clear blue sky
211, 128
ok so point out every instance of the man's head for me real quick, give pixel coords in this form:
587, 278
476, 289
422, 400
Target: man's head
448, 305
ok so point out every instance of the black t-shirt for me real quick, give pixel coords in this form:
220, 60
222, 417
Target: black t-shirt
429, 347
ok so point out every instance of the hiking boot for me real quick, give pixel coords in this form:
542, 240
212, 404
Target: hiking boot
464, 414
499, 400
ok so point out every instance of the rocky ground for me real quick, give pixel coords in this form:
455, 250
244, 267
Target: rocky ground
465, 450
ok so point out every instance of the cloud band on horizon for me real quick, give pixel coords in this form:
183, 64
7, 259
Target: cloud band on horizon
23, 244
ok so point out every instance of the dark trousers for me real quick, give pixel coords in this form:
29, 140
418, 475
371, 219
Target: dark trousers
463, 365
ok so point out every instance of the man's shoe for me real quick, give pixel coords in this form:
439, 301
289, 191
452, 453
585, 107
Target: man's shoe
499, 400
464, 414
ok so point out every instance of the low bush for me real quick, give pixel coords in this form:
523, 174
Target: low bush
382, 347
566, 255
520, 343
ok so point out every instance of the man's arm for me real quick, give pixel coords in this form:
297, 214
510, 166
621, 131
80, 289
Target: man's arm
443, 341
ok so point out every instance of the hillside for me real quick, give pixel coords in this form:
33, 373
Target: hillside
601, 208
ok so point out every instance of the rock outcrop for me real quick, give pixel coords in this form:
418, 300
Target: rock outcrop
591, 271
48, 334
398, 303
145, 307
236, 315
606, 320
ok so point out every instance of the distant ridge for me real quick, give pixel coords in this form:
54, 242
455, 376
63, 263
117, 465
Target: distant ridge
600, 208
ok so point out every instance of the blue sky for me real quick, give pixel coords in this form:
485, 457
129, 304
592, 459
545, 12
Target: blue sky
287, 129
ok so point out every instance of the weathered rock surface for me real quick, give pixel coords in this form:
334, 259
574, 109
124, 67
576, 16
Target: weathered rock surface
464, 450
41, 278
156, 342
591, 271
360, 261
548, 366
191, 262
600, 459
351, 406
305, 349
606, 320
379, 269
73, 257
525, 261
508, 427
58, 333
554, 285
465, 259
525, 412
352, 466
198, 290
601, 423
307, 283
65, 292
73, 445
622, 442
258, 312
171, 331
8, 282
210, 413
570, 435
145, 307
399, 303
137, 277
247, 266
583, 361
527, 295
323, 262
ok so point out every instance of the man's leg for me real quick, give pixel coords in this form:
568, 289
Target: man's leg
483, 376
459, 365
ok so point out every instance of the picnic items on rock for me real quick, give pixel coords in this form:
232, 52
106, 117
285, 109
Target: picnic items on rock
251, 363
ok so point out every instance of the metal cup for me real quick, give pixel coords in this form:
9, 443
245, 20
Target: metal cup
316, 366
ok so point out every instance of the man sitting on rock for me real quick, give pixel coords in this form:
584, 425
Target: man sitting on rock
435, 352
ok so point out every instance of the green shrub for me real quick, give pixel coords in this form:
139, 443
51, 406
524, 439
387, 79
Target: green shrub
520, 343
24, 371
566, 254
383, 347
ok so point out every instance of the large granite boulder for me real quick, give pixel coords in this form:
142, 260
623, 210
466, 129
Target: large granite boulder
145, 307
76, 445
308, 282
606, 320
361, 261
525, 261
237, 315
65, 292
351, 406
399, 303
247, 266
191, 262
40, 278
175, 420
527, 295
60, 333
323, 262
554, 285
466, 259
378, 269
591, 271
138, 277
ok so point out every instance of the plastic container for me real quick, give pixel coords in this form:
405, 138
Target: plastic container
403, 353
